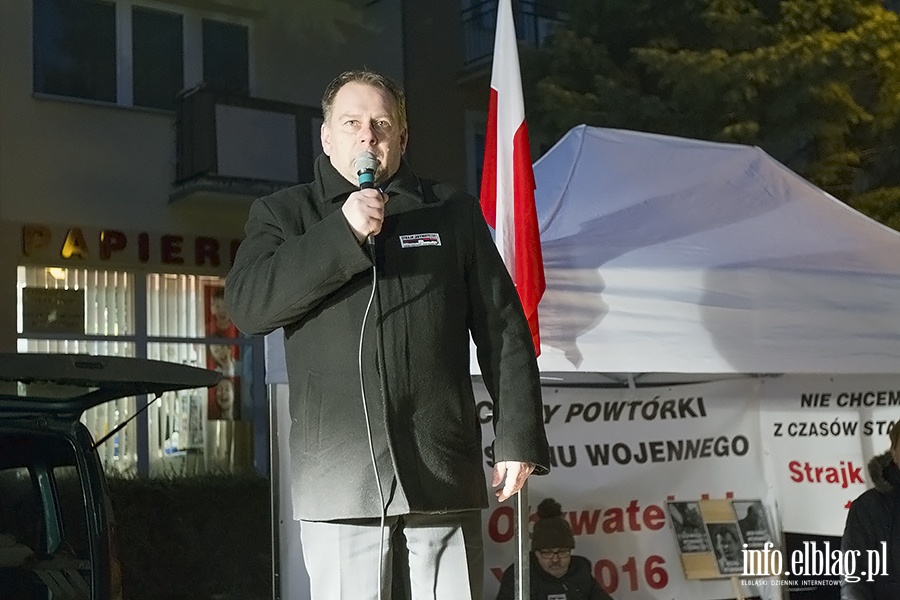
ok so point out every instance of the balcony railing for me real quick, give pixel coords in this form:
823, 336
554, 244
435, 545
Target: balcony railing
534, 19
233, 147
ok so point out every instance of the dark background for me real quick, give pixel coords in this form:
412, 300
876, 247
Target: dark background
201, 538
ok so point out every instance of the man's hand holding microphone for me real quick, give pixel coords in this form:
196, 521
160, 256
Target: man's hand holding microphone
364, 209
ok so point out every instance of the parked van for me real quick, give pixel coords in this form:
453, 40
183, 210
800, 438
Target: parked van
58, 536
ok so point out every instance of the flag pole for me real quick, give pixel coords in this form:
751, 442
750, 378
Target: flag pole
523, 562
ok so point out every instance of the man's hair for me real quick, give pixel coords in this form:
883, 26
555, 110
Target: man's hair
371, 78
724, 533
895, 434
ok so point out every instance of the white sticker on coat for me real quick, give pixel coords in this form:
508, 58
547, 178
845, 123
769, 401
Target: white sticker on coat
417, 240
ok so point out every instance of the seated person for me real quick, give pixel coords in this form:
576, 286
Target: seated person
554, 572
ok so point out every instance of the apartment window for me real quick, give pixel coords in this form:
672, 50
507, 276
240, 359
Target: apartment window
130, 54
225, 57
158, 57
75, 49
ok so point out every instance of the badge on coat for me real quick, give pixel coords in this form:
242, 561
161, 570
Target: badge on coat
417, 240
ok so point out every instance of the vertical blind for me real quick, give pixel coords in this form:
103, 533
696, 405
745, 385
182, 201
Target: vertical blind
181, 439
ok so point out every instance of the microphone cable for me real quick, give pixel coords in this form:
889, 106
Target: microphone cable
362, 387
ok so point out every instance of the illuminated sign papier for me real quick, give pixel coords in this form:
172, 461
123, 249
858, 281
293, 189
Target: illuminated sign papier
43, 243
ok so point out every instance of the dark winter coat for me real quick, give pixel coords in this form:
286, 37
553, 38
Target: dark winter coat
873, 518
577, 584
300, 267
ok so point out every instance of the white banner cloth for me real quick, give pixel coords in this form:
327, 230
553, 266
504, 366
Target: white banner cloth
619, 455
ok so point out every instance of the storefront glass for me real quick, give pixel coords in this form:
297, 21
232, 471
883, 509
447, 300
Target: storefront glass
171, 317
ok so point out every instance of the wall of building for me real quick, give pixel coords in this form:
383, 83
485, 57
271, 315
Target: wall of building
308, 43
94, 166
8, 260
432, 38
69, 162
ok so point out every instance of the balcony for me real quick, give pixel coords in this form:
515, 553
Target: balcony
534, 19
236, 148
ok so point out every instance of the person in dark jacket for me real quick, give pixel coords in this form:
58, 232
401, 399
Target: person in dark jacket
554, 571
873, 519
378, 291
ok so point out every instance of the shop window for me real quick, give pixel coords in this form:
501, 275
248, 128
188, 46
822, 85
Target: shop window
188, 432
104, 326
75, 49
102, 304
198, 430
118, 453
177, 420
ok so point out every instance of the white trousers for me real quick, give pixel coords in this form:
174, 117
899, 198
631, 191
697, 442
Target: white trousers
439, 557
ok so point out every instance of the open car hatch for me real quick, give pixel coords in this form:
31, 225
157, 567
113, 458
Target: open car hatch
65, 385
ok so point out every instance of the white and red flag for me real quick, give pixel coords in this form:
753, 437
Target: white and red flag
507, 181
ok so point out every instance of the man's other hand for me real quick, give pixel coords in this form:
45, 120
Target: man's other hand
514, 473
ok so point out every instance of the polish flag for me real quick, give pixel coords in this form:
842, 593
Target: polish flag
507, 181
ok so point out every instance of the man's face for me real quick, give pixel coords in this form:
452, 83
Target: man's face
727, 546
225, 394
554, 561
895, 453
218, 309
363, 118
220, 353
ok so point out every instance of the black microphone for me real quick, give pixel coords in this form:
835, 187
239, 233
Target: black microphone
365, 165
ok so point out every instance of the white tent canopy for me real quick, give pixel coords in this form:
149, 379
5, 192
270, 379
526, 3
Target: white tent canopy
672, 255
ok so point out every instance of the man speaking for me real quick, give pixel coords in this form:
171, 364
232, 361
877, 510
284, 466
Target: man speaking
378, 287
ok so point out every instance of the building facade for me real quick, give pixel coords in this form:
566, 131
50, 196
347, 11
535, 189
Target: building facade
134, 134
133, 137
